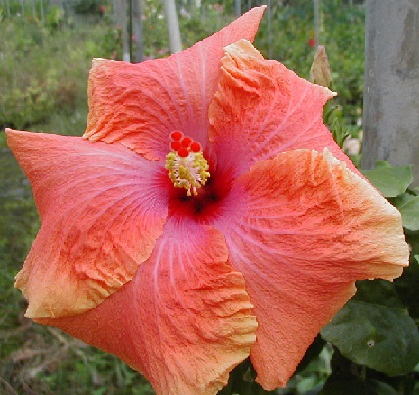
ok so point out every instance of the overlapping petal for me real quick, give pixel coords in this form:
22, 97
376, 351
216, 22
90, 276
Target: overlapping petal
306, 228
184, 321
140, 104
261, 109
102, 208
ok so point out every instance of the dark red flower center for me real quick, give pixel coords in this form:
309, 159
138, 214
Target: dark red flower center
189, 170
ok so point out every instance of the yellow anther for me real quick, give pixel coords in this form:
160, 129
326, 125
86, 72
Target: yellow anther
189, 172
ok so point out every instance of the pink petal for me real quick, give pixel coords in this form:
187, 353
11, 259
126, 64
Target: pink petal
102, 208
184, 321
305, 229
261, 109
141, 104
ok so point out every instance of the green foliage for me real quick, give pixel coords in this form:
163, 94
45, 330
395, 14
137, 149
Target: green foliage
109, 46
32, 105
383, 338
408, 206
242, 381
390, 181
353, 385
333, 119
55, 17
43, 73
407, 285
88, 6
18, 226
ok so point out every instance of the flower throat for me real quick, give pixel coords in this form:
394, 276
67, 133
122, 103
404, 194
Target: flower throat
186, 164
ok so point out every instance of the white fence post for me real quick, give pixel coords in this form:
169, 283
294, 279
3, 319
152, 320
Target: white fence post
391, 95
175, 41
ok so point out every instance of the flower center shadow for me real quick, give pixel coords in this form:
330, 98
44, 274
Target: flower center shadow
207, 205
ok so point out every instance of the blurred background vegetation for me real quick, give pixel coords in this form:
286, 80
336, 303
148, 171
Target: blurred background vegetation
46, 49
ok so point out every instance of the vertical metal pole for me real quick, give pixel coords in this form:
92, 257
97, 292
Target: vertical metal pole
238, 7
120, 12
316, 22
175, 41
138, 30
42, 12
131, 55
269, 30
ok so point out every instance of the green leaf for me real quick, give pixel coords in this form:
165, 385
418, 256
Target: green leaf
333, 118
355, 385
390, 181
382, 338
242, 381
409, 209
407, 284
312, 352
402, 199
378, 292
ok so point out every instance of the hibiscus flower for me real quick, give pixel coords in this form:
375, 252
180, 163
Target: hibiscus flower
206, 215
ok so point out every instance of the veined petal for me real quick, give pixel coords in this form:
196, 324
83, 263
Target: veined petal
102, 208
184, 321
305, 229
261, 109
141, 104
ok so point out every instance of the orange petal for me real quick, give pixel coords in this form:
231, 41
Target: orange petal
95, 205
141, 104
307, 229
184, 321
261, 109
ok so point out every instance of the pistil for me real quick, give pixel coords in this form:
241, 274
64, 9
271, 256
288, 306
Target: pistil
186, 163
